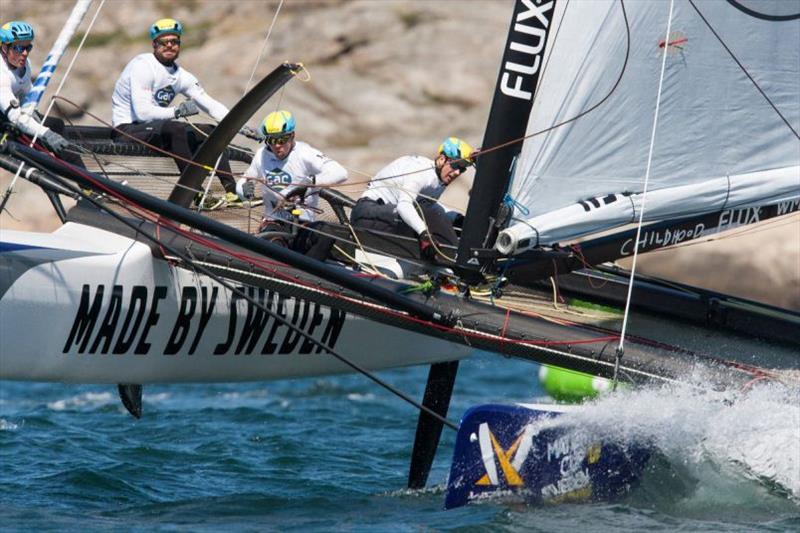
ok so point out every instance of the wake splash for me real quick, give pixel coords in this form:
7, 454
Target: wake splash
86, 400
717, 443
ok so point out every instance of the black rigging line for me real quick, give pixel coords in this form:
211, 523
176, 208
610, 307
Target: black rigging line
587, 111
208, 272
763, 16
744, 69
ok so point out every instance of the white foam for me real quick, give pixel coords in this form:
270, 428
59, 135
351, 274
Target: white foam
5, 425
82, 400
754, 433
356, 397
157, 397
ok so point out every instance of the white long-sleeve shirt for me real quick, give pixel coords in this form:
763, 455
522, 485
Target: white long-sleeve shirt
146, 88
304, 165
401, 181
15, 83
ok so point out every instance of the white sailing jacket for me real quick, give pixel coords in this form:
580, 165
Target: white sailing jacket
304, 166
146, 88
14, 86
401, 181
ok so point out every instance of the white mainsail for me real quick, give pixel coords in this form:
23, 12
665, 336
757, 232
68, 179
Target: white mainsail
720, 144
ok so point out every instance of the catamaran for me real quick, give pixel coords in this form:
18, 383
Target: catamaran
615, 130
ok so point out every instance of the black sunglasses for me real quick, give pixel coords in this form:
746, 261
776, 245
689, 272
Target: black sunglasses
168, 42
283, 139
459, 164
19, 48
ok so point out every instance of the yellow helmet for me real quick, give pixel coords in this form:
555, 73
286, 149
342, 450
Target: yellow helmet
455, 148
163, 26
278, 123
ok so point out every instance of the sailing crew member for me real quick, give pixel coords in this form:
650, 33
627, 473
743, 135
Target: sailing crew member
410, 186
143, 94
16, 43
289, 170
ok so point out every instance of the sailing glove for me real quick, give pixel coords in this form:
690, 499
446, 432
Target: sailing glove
55, 142
295, 193
249, 189
426, 248
186, 109
250, 133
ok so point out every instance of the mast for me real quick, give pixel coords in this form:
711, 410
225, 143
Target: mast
516, 86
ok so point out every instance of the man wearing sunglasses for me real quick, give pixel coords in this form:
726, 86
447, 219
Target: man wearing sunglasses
142, 102
16, 43
409, 187
287, 168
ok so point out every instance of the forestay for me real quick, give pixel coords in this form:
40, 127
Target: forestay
720, 144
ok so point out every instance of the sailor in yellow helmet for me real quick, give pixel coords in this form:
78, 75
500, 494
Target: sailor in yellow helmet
285, 167
142, 103
390, 203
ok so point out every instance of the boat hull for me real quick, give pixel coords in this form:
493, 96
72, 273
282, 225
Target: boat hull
90, 306
523, 452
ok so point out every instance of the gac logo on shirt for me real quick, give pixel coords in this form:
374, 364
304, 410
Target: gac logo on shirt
278, 179
164, 96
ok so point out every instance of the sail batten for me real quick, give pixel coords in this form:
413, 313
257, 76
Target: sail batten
716, 119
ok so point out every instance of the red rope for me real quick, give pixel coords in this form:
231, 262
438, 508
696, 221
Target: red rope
505, 325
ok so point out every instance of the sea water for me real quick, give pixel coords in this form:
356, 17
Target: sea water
332, 454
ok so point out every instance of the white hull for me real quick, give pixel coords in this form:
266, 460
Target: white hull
146, 326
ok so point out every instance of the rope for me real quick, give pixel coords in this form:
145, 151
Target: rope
361, 247
620, 348
512, 203
424, 287
373, 271
72, 62
733, 56
263, 47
